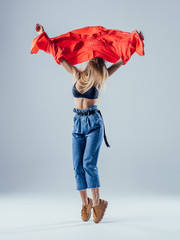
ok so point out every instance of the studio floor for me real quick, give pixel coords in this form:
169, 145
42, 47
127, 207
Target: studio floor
50, 217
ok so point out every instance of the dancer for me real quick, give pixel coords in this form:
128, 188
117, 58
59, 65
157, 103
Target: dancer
88, 129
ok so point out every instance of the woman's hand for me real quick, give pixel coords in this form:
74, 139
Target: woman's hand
141, 35
39, 28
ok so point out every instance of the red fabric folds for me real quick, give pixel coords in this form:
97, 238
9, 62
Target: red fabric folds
83, 44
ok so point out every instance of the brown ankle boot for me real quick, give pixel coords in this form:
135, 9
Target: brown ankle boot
86, 210
98, 211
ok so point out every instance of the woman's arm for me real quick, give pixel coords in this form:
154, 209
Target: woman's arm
114, 67
69, 67
39, 28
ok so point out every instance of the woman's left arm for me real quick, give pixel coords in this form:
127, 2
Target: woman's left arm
44, 43
39, 28
69, 67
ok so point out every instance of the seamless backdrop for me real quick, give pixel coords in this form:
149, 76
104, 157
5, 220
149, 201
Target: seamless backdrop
140, 104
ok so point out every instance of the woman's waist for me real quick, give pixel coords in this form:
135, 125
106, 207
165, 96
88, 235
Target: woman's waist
85, 110
84, 103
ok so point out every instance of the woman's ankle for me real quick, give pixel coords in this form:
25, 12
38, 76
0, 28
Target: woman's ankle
96, 202
85, 203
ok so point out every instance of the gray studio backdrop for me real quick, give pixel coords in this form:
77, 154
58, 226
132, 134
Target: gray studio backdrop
140, 104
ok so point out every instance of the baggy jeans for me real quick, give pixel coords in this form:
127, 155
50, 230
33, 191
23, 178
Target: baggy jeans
87, 136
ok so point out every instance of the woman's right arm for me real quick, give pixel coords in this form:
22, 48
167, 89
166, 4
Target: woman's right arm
114, 67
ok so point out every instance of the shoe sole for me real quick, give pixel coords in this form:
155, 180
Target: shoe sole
89, 214
103, 211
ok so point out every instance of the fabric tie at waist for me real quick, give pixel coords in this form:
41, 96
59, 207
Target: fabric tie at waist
90, 112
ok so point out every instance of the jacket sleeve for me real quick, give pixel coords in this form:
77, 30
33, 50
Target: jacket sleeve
131, 43
44, 43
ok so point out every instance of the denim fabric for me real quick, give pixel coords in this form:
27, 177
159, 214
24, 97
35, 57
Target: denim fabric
87, 136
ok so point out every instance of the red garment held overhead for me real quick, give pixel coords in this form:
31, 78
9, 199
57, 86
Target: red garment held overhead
83, 44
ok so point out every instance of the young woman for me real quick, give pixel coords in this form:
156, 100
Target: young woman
88, 130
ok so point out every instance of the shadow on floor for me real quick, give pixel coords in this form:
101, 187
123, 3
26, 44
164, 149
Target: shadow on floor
57, 225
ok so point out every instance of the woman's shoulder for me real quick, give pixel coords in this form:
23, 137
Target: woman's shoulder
76, 77
97, 85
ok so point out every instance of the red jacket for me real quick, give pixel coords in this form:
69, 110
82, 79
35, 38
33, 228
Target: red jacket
83, 44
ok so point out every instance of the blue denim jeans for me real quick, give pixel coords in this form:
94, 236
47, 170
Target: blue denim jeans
87, 136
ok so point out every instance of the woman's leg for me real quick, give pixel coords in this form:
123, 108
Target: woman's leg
84, 198
78, 146
95, 195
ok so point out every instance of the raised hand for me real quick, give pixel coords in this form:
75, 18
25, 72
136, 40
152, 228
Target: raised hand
39, 28
141, 35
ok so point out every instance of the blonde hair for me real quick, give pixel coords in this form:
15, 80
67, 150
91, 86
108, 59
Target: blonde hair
94, 72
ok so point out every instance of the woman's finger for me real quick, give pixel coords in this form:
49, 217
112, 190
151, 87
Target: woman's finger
37, 28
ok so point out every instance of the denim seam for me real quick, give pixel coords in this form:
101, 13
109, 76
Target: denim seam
93, 154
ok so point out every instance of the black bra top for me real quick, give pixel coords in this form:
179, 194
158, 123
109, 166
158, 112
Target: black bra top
92, 93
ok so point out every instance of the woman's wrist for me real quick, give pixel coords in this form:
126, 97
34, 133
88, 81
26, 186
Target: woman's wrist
40, 32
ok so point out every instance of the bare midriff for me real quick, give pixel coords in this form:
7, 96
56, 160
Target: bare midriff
83, 103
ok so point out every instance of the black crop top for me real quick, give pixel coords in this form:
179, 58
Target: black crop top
92, 93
